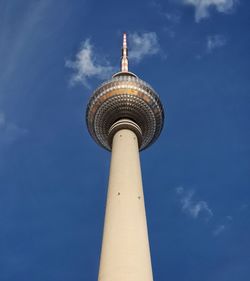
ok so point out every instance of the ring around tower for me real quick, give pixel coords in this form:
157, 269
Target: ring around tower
125, 115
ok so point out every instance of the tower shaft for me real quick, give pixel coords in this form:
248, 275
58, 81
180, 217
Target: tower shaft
125, 254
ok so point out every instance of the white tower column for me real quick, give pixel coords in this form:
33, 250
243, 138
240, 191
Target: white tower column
125, 254
125, 115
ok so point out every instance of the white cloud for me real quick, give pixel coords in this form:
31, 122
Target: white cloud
215, 41
202, 7
223, 226
244, 207
142, 45
86, 65
17, 37
192, 207
9, 132
219, 229
171, 16
179, 190
2, 120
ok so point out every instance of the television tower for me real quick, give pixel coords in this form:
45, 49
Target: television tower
125, 115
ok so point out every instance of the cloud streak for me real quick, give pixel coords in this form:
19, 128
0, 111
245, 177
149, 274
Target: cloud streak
9, 132
193, 208
222, 226
215, 42
219, 229
170, 16
203, 7
86, 66
142, 45
17, 41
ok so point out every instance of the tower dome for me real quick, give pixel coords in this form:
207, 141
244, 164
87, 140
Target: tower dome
124, 97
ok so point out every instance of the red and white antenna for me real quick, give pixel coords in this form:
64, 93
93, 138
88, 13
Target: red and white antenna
124, 59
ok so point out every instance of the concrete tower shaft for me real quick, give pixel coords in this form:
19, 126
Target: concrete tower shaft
125, 254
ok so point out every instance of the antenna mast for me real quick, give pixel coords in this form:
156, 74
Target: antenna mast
124, 59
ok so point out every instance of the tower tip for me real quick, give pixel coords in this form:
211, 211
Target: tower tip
124, 38
124, 59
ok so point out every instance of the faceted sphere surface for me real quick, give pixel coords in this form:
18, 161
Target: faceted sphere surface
124, 96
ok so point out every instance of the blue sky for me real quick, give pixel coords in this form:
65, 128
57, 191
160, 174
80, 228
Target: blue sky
53, 177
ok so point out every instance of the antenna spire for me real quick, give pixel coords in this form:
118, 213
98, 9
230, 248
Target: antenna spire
124, 59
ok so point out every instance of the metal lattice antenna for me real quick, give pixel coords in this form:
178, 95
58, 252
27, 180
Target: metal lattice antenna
124, 59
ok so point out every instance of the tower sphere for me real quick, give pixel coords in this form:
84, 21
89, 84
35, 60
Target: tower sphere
124, 100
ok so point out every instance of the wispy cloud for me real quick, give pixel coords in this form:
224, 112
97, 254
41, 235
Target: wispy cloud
86, 65
211, 44
219, 229
223, 226
172, 17
203, 7
244, 207
191, 206
196, 208
144, 44
16, 40
9, 131
215, 42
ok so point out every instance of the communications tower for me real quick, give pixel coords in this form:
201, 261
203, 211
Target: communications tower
125, 115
